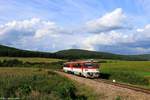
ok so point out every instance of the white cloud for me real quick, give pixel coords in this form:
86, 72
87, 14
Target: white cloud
109, 38
31, 33
37, 34
32, 27
143, 32
136, 42
109, 21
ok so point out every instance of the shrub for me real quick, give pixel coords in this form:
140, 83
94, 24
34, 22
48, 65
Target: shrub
25, 89
51, 73
11, 63
18, 63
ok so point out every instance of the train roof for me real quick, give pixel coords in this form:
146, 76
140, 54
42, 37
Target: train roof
81, 61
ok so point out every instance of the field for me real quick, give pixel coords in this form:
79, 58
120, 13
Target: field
29, 59
41, 84
126, 71
37, 82
32, 78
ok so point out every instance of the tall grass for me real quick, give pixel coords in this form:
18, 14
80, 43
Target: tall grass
128, 77
37, 84
133, 72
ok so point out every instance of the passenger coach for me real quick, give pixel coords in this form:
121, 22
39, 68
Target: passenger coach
83, 68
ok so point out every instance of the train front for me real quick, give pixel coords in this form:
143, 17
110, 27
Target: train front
91, 70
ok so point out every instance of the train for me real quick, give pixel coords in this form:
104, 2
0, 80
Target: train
85, 68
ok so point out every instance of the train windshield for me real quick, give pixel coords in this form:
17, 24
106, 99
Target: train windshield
91, 65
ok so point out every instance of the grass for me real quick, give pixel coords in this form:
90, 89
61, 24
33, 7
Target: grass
134, 72
17, 79
88, 92
35, 83
139, 67
33, 60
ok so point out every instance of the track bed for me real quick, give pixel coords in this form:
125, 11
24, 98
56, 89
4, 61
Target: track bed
110, 90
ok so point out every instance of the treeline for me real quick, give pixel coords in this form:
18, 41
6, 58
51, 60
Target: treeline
23, 53
18, 63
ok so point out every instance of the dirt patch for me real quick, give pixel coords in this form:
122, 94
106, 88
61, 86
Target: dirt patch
110, 92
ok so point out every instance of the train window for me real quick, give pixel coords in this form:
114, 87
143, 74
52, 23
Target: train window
66, 65
76, 65
90, 65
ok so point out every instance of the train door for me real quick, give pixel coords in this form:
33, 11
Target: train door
77, 69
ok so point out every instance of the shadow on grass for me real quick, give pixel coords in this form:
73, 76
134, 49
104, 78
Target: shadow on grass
104, 75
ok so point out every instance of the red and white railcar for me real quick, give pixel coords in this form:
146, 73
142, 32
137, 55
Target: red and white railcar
83, 68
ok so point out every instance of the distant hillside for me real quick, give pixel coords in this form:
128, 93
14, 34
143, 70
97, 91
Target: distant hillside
13, 52
143, 56
68, 54
77, 53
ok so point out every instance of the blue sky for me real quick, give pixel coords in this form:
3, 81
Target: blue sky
117, 26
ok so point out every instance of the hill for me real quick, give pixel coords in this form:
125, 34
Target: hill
13, 52
68, 54
144, 56
82, 54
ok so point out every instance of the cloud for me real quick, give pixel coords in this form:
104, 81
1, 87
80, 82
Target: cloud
120, 42
106, 38
143, 32
45, 35
110, 21
37, 34
32, 27
34, 30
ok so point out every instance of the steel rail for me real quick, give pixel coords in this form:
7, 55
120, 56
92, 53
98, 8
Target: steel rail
123, 85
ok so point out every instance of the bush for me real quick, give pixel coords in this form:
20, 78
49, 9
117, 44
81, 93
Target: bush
10, 63
25, 89
18, 63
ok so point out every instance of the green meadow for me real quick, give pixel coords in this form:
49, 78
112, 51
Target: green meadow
139, 67
33, 78
134, 72
40, 84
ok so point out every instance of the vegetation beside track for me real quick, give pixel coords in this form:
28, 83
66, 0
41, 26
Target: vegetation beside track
133, 72
35, 83
28, 79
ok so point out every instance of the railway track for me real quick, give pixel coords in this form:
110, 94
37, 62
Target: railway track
122, 85
132, 87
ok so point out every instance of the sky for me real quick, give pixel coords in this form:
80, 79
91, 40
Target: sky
115, 26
